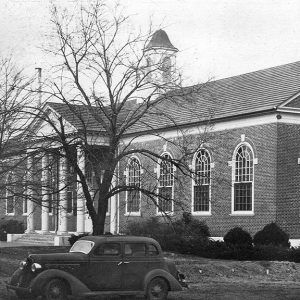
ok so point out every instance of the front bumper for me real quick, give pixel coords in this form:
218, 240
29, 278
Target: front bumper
182, 281
19, 289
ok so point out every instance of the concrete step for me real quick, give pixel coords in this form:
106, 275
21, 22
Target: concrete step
36, 239
32, 242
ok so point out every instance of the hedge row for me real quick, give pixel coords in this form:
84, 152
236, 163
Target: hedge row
10, 226
191, 236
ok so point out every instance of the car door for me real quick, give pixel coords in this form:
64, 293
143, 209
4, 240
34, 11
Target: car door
105, 267
134, 266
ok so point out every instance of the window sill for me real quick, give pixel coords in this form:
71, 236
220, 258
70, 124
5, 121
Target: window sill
10, 214
25, 214
242, 214
196, 213
167, 213
132, 214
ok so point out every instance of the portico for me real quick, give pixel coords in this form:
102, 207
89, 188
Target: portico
62, 211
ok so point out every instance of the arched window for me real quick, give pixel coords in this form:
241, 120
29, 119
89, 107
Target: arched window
165, 184
202, 179
133, 203
10, 194
243, 179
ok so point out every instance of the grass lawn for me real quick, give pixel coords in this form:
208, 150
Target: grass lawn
207, 278
195, 268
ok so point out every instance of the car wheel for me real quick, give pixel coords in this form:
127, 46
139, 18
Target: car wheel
157, 289
56, 289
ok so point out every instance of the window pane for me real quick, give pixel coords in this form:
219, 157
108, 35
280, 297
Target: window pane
165, 199
10, 205
202, 181
243, 179
134, 179
135, 249
111, 249
166, 182
243, 196
152, 250
201, 198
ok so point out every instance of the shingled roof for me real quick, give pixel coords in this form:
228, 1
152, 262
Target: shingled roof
236, 96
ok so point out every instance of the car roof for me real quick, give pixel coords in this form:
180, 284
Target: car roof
118, 238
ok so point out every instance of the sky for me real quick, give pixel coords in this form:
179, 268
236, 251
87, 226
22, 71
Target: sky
215, 38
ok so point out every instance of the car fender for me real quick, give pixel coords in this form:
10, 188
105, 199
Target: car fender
173, 282
38, 283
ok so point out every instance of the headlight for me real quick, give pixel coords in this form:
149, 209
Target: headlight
23, 264
35, 266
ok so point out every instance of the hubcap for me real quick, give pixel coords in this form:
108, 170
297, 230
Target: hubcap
55, 292
156, 290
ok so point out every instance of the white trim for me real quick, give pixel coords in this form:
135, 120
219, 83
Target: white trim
217, 126
133, 214
198, 213
289, 100
241, 212
201, 213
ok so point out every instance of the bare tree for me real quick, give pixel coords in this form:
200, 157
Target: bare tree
15, 97
116, 94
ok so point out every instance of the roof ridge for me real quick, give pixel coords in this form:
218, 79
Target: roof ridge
247, 73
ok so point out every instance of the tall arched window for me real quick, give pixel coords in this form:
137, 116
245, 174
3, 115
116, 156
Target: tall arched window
202, 179
243, 179
165, 184
10, 194
133, 203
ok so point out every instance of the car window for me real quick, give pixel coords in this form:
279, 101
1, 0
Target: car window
135, 249
111, 249
152, 250
83, 246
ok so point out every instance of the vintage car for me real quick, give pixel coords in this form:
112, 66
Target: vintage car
99, 266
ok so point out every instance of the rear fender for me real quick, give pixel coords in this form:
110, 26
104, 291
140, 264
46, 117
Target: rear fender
38, 283
174, 285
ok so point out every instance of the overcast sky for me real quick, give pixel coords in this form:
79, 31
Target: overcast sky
215, 38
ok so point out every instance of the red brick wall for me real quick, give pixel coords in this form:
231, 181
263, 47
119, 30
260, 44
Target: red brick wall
288, 179
222, 144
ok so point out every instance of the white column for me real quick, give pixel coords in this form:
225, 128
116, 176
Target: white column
62, 220
80, 195
30, 194
113, 210
45, 193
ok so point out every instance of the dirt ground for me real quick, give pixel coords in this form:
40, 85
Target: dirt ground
207, 279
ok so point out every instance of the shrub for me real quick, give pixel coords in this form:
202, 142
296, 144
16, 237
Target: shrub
186, 235
10, 226
270, 252
271, 234
74, 238
295, 254
237, 237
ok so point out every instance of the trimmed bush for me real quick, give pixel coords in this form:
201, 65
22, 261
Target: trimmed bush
271, 234
186, 235
10, 226
237, 237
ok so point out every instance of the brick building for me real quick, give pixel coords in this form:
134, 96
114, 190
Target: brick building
250, 164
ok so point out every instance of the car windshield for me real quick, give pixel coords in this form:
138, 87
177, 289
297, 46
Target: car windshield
83, 246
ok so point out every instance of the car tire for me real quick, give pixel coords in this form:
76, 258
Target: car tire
157, 289
56, 289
